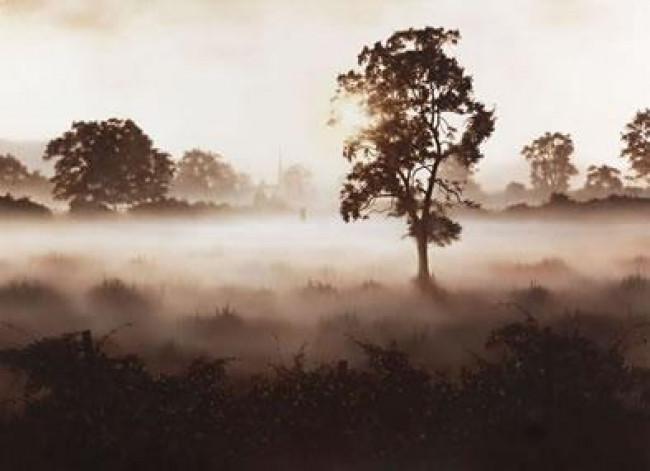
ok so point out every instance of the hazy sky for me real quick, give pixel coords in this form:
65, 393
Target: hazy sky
247, 77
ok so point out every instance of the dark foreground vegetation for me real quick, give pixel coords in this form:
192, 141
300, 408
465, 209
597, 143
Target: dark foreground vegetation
539, 398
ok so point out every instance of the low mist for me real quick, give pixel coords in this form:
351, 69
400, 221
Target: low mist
265, 288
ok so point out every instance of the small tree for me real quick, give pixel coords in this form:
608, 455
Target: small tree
206, 175
603, 179
550, 162
108, 162
422, 116
636, 139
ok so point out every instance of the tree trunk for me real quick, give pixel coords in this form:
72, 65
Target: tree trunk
425, 281
424, 278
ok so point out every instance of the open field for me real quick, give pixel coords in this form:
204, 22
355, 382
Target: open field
260, 290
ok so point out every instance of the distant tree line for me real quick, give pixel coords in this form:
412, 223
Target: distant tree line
114, 164
415, 156
551, 167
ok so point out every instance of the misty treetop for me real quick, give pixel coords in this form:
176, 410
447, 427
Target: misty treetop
550, 162
422, 117
637, 144
17, 178
109, 162
207, 175
12, 171
603, 179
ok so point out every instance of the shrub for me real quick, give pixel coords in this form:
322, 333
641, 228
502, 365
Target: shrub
22, 207
114, 296
539, 400
178, 207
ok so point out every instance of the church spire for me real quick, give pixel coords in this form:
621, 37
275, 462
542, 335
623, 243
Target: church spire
280, 169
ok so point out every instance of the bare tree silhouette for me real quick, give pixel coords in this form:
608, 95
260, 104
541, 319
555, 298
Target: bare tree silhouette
422, 116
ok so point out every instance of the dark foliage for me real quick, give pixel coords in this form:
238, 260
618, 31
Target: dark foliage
83, 207
550, 162
636, 140
603, 180
113, 296
561, 204
21, 207
178, 207
540, 400
110, 162
30, 294
423, 119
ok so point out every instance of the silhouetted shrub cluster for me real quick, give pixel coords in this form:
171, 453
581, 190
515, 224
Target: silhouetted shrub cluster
178, 207
539, 400
561, 204
115, 296
21, 207
83, 207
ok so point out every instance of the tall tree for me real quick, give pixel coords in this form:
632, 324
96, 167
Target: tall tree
206, 175
109, 162
422, 117
550, 162
636, 139
603, 179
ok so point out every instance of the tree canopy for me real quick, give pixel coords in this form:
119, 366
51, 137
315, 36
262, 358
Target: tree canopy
108, 162
636, 139
603, 179
550, 162
15, 177
207, 175
422, 116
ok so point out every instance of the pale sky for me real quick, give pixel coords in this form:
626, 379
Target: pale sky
247, 77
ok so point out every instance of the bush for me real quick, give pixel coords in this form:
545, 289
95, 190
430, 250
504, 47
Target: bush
113, 296
26, 295
22, 207
540, 400
82, 207
178, 207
